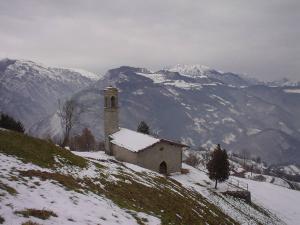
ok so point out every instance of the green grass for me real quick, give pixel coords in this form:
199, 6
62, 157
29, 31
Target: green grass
37, 151
41, 214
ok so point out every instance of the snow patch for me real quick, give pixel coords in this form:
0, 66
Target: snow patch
228, 138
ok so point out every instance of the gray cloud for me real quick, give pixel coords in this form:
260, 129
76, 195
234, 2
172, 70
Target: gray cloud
260, 38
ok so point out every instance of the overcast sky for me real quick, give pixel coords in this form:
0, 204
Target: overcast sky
259, 37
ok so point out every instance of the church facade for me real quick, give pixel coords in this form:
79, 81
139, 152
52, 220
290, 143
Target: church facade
126, 145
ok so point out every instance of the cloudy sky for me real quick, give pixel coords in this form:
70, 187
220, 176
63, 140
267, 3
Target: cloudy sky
258, 37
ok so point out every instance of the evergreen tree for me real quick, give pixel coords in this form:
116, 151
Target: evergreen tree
143, 128
218, 166
10, 123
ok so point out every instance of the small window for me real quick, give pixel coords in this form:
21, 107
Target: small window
106, 102
113, 102
161, 149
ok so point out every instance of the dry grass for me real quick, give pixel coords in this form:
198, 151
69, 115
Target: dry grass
41, 214
8, 189
29, 222
66, 180
184, 171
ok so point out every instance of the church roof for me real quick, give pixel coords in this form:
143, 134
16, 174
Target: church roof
136, 141
132, 140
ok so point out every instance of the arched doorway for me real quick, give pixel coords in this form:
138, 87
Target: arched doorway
163, 168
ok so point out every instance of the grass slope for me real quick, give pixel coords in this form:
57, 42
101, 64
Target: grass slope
135, 192
36, 151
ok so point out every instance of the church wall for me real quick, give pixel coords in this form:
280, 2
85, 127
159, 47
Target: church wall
122, 154
152, 157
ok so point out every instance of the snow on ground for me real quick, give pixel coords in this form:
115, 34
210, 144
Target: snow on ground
70, 207
282, 201
252, 131
87, 74
279, 200
87, 208
291, 170
163, 79
237, 209
138, 92
228, 138
270, 179
294, 91
195, 71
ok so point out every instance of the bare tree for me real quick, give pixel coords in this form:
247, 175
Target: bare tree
83, 142
246, 155
68, 115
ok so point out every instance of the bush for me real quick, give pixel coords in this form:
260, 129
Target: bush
10, 123
143, 128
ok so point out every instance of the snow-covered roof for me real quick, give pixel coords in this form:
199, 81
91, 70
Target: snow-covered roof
132, 140
136, 141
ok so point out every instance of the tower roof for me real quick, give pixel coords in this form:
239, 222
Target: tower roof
110, 88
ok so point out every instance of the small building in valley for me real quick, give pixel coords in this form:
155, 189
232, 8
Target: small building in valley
153, 153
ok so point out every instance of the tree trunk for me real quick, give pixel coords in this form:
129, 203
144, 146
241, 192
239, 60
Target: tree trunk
216, 184
65, 142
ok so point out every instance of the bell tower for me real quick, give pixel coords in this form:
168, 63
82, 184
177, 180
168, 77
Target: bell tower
111, 115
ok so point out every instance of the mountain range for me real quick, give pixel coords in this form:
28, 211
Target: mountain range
191, 103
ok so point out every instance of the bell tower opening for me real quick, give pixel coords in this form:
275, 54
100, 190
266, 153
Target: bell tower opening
111, 115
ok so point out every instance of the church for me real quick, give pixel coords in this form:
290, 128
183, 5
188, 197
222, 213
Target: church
126, 145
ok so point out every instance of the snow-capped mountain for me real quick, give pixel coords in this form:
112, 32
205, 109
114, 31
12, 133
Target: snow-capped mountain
30, 91
202, 72
200, 111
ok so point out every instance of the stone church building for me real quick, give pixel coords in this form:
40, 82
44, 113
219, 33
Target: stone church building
153, 153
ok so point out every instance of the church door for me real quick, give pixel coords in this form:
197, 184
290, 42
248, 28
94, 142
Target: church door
163, 168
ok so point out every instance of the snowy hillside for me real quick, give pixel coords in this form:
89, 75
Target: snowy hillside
58, 187
198, 110
30, 91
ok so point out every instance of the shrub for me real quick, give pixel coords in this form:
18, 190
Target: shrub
143, 128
